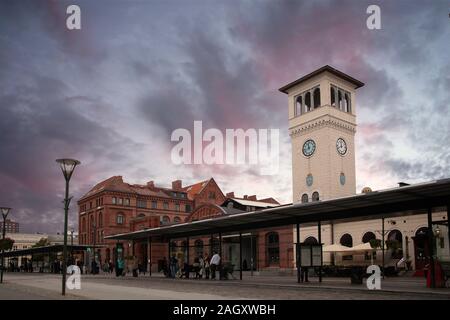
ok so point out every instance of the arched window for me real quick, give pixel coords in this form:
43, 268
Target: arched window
422, 232
316, 95
298, 106
395, 243
304, 198
177, 219
83, 225
333, 96
273, 248
315, 196
340, 100
311, 240
347, 103
368, 236
100, 220
198, 248
307, 102
346, 240
165, 220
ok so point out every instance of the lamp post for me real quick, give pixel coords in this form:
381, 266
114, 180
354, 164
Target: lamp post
94, 264
67, 168
71, 244
5, 212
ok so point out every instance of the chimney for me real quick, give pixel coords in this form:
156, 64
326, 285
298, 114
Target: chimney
151, 184
245, 196
230, 195
177, 185
253, 198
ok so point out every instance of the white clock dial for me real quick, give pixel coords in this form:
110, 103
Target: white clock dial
341, 146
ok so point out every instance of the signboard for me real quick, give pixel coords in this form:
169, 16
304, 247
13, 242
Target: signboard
309, 255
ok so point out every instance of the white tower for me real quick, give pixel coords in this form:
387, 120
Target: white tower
322, 126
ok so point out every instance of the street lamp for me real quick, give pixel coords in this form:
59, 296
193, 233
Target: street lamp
5, 212
67, 167
71, 244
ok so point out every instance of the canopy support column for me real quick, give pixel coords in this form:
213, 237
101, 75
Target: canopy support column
431, 248
297, 254
240, 255
319, 233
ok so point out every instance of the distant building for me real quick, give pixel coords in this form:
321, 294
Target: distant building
10, 226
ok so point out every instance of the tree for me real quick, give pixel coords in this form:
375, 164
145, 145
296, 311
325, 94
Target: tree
41, 243
6, 244
375, 243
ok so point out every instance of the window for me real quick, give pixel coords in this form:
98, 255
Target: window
177, 220
177, 207
212, 195
316, 95
346, 240
333, 96
100, 220
165, 220
368, 236
127, 202
273, 248
188, 208
154, 204
304, 198
119, 201
120, 219
141, 203
166, 206
315, 196
311, 240
90, 205
114, 200
298, 106
307, 102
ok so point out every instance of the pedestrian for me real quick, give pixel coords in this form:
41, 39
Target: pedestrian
135, 266
207, 267
120, 266
196, 267
214, 264
173, 266
201, 267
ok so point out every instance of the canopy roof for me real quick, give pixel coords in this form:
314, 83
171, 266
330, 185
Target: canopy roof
400, 201
46, 249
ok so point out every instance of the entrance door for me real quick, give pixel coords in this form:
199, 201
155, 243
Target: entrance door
421, 248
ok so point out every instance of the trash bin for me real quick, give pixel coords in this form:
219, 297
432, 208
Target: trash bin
356, 275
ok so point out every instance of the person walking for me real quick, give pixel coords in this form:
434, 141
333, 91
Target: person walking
214, 264
173, 266
120, 266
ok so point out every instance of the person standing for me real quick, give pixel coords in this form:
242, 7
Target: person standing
207, 267
173, 266
214, 264
120, 266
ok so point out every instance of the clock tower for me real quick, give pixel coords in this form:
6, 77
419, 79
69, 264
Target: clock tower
322, 126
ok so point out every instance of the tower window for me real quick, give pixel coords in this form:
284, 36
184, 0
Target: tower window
316, 95
298, 106
347, 103
307, 102
333, 96
304, 198
315, 196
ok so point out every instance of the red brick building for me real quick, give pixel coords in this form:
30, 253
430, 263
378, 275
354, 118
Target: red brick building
114, 206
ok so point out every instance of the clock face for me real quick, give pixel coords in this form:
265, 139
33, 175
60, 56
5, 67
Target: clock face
309, 147
341, 146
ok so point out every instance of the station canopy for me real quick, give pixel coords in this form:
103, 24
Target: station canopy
399, 201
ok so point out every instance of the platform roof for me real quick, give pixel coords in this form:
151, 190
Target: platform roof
400, 201
46, 249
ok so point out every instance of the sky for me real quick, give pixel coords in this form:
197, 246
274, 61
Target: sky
111, 94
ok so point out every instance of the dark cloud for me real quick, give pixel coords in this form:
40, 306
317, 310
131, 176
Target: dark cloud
111, 93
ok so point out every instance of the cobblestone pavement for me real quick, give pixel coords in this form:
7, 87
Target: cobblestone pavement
144, 287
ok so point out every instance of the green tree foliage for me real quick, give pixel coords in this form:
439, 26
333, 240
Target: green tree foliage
6, 244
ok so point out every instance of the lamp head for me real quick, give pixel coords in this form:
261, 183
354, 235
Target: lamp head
5, 211
68, 166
